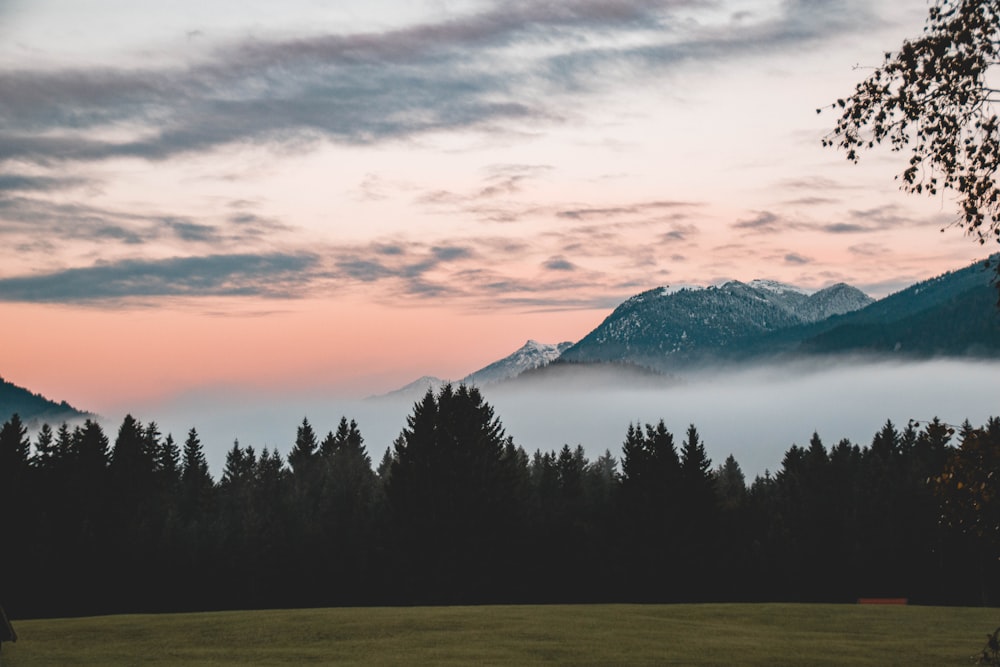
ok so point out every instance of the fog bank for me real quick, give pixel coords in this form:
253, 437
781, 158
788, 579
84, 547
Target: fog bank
755, 414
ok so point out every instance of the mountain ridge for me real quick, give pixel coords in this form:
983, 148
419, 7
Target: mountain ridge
665, 330
34, 408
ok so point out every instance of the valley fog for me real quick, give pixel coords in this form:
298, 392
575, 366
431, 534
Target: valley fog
756, 414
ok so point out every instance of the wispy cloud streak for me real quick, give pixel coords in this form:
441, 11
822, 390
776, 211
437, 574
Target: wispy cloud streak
472, 71
272, 275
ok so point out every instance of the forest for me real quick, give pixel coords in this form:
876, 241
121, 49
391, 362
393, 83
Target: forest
456, 513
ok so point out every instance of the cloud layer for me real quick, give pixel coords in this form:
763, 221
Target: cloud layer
513, 69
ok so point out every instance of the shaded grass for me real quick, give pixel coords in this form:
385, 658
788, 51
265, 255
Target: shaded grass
708, 634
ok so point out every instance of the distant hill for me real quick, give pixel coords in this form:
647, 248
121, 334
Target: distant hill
34, 408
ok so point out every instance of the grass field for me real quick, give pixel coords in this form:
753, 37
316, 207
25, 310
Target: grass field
709, 634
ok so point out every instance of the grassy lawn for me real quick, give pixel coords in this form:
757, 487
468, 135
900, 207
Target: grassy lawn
709, 634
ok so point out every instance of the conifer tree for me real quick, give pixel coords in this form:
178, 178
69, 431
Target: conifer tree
303, 454
452, 496
64, 448
14, 450
730, 484
651, 504
45, 448
90, 450
196, 482
698, 523
168, 461
132, 466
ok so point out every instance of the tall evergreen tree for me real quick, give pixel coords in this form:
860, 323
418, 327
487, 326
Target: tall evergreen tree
730, 484
18, 502
45, 448
168, 461
451, 492
698, 523
651, 505
132, 466
196, 482
303, 455
15, 448
90, 451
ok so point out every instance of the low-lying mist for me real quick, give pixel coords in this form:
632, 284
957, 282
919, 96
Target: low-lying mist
756, 414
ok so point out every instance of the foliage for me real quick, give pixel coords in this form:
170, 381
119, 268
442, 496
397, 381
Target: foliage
935, 97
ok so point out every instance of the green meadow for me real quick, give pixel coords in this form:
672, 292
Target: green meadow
702, 634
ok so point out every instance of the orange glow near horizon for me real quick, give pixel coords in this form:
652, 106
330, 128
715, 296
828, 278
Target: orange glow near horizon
106, 359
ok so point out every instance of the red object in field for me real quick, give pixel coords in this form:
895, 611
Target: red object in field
883, 600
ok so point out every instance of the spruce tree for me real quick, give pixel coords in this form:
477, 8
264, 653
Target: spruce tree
196, 482
698, 523
45, 448
14, 450
451, 494
730, 484
304, 452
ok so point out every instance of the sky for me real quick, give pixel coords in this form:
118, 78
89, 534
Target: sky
339, 197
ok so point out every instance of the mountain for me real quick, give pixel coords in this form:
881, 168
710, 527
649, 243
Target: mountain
664, 328
529, 356
954, 314
34, 408
416, 389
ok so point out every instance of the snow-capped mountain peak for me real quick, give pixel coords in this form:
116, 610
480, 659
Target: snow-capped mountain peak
776, 287
530, 355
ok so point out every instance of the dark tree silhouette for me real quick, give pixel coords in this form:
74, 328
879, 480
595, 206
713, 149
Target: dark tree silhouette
450, 489
651, 506
967, 488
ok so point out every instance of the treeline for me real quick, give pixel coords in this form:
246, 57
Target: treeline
456, 512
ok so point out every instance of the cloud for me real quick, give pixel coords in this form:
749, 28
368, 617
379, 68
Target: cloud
641, 208
680, 233
493, 200
814, 183
192, 231
868, 249
845, 228
479, 70
859, 222
508, 179
24, 183
270, 276
881, 217
764, 222
64, 222
365, 270
559, 264
866, 221
450, 253
405, 265
796, 258
812, 201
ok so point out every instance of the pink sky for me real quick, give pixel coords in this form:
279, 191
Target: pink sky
349, 197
